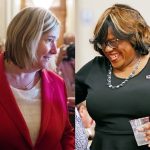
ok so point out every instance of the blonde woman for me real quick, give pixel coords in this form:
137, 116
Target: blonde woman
116, 84
32, 100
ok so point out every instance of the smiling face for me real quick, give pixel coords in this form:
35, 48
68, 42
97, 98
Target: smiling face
47, 48
120, 56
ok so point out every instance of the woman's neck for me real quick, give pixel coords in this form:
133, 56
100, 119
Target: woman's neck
19, 78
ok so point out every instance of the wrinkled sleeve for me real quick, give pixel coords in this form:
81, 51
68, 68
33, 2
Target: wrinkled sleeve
81, 85
80, 90
85, 76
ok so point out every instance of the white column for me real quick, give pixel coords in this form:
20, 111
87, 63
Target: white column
8, 9
70, 20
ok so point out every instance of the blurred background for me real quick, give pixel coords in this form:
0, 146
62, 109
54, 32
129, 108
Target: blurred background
87, 14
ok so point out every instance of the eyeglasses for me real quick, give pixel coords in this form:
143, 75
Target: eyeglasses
111, 43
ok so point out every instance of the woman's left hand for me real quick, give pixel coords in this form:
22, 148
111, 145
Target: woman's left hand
146, 129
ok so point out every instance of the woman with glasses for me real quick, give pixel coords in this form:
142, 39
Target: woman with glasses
116, 84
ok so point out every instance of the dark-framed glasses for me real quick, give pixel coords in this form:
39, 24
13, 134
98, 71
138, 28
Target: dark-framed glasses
111, 43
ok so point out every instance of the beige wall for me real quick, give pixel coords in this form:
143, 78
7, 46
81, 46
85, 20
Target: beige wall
87, 13
70, 20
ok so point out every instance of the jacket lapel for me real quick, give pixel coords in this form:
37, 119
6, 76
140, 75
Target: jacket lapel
47, 91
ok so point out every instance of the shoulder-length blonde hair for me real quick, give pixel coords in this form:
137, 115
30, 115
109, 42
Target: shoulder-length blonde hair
24, 33
127, 24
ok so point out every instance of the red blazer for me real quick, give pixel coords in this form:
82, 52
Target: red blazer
55, 133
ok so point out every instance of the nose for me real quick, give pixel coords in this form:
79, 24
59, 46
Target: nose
53, 48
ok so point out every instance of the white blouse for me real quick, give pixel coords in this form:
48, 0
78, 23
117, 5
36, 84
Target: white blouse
29, 103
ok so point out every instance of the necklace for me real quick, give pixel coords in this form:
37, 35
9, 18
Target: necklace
32, 81
109, 82
27, 86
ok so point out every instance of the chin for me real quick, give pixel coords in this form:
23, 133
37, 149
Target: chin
117, 65
43, 65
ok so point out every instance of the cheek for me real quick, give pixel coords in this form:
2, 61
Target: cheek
124, 51
42, 49
127, 49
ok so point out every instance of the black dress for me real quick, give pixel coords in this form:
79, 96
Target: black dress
113, 108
